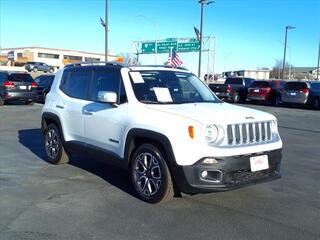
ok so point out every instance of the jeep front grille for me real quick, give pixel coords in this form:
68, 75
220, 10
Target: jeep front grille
247, 133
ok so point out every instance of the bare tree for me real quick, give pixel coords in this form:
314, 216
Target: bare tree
277, 70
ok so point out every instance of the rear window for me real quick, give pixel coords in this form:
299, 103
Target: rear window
234, 81
44, 81
296, 86
20, 77
260, 84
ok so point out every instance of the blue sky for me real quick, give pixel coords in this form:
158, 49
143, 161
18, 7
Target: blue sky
250, 33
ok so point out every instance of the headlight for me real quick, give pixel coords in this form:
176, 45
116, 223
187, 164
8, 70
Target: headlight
210, 133
274, 126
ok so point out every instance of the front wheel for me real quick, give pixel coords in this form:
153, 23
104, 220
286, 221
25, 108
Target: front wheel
35, 69
150, 175
55, 151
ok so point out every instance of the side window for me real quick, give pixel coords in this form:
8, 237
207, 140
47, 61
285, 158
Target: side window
75, 83
108, 80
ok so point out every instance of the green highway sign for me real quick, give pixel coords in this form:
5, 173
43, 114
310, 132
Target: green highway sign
164, 46
148, 47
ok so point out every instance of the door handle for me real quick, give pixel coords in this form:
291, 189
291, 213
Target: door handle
60, 106
86, 112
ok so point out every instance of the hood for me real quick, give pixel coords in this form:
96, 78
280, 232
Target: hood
217, 113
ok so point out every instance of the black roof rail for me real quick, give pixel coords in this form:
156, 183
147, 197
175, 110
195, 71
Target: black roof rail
79, 64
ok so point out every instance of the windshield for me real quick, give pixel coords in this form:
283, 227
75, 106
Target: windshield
169, 87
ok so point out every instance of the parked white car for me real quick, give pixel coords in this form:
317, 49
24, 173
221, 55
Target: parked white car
163, 124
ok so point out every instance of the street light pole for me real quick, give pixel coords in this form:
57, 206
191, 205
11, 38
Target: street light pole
318, 62
285, 49
106, 33
202, 2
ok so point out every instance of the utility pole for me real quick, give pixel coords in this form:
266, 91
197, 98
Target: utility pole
318, 62
106, 33
202, 2
285, 49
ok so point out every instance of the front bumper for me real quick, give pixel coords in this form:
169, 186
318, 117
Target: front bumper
232, 172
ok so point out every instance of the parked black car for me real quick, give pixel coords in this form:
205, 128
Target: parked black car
17, 86
222, 91
44, 85
38, 66
301, 93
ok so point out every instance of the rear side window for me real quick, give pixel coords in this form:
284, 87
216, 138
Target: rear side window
3, 77
260, 84
44, 81
20, 77
296, 86
105, 79
238, 81
75, 83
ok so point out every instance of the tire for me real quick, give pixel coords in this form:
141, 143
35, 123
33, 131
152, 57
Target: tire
51, 70
54, 149
316, 104
1, 101
277, 101
236, 98
35, 69
29, 102
150, 175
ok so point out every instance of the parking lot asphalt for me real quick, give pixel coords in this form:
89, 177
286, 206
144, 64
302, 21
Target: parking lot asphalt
88, 199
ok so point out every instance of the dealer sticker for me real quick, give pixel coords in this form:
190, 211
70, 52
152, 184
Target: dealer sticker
258, 163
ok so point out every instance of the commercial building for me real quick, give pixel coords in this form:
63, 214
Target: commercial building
51, 56
306, 73
256, 74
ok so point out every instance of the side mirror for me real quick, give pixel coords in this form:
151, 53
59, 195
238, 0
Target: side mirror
107, 97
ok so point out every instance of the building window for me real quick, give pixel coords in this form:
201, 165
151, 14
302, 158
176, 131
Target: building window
69, 57
19, 55
91, 59
48, 55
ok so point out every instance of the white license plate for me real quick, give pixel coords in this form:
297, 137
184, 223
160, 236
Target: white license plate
293, 94
23, 87
256, 90
258, 163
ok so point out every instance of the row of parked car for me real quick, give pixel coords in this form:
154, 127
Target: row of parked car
272, 92
20, 86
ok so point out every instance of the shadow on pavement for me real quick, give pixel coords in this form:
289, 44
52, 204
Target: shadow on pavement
33, 140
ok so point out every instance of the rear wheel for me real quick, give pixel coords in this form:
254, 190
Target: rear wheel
316, 104
51, 70
55, 151
35, 69
236, 97
150, 175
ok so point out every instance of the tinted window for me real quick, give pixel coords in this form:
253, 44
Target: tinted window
315, 86
75, 83
278, 84
260, 84
105, 79
295, 85
248, 81
20, 77
3, 77
234, 81
44, 81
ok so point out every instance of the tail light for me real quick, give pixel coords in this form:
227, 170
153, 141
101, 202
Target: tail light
266, 90
229, 88
8, 85
34, 85
305, 90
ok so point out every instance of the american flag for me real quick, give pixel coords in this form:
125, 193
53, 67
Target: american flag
173, 59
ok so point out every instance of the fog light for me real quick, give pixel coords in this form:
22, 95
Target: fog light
204, 174
210, 161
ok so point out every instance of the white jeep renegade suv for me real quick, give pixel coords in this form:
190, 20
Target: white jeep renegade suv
164, 125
